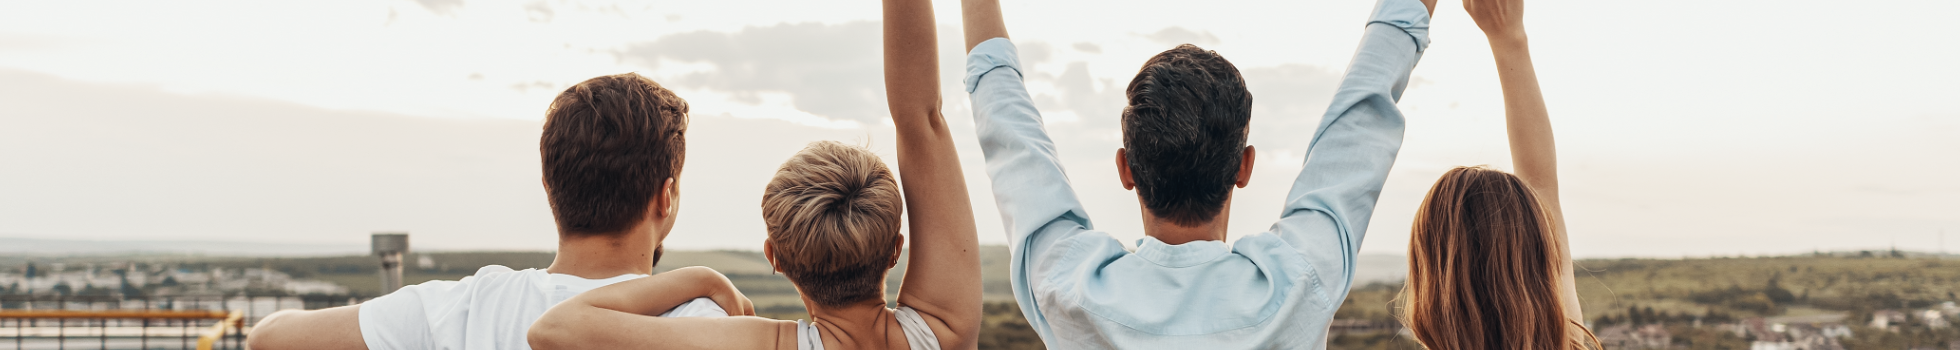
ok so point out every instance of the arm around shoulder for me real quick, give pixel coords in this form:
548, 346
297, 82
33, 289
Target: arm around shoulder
573, 327
619, 316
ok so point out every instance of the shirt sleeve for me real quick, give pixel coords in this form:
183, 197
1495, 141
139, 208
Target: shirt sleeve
1327, 211
400, 320
1037, 204
699, 307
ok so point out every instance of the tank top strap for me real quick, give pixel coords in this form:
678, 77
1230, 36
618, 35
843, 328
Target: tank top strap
807, 337
917, 333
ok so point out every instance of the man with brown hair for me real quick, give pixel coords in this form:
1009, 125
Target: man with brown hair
612, 150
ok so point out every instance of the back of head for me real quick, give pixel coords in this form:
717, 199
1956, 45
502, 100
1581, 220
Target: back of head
1184, 133
609, 144
833, 215
1483, 267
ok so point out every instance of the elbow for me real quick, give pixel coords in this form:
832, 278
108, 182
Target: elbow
265, 335
548, 333
258, 342
539, 337
968, 339
968, 332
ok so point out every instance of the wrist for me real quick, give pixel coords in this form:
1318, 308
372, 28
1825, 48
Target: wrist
692, 275
707, 279
1513, 40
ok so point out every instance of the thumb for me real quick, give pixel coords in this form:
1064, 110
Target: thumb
734, 303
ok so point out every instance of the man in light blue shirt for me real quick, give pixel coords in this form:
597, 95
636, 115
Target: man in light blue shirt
1184, 150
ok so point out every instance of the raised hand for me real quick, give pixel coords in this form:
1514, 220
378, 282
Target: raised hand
1500, 19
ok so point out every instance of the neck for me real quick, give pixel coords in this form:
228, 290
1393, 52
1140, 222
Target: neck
1173, 234
605, 255
859, 325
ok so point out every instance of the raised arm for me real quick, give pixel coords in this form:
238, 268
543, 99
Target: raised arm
620, 316
1038, 205
1527, 123
981, 20
942, 277
1328, 210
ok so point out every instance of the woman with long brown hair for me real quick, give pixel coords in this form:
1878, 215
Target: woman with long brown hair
1489, 265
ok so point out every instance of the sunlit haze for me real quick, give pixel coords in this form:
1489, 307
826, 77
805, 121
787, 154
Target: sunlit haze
1685, 128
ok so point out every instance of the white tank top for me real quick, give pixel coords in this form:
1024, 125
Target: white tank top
918, 336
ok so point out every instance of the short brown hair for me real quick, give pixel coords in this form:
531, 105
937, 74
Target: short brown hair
609, 144
1184, 133
833, 215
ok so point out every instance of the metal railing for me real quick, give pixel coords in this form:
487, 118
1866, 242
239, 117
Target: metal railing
95, 322
163, 324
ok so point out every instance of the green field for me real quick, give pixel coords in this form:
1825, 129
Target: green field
1676, 292
1668, 292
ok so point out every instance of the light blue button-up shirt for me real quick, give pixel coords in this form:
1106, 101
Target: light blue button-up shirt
1276, 289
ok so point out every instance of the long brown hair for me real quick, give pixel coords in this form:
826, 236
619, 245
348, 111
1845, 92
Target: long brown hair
1484, 268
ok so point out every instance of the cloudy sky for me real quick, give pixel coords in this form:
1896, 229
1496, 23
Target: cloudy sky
1685, 128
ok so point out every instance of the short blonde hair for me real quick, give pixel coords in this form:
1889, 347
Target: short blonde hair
833, 214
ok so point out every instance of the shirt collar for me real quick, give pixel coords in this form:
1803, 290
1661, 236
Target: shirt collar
1183, 255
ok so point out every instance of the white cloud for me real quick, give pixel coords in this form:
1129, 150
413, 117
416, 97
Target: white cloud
1737, 127
443, 7
1173, 36
832, 71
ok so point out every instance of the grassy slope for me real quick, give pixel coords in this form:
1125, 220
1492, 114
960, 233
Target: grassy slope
1731, 287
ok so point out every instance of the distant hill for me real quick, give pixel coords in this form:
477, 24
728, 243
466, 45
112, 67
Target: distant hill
357, 271
18, 247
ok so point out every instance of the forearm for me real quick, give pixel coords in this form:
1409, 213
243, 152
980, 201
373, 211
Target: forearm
1527, 122
1360, 134
1533, 149
654, 294
911, 67
571, 328
981, 20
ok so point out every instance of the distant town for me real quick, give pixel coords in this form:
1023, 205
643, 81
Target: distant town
157, 280
1842, 300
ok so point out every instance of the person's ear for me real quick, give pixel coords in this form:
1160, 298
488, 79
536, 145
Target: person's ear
1123, 169
666, 201
1245, 167
769, 251
898, 250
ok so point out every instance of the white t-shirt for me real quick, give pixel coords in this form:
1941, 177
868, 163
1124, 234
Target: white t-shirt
491, 310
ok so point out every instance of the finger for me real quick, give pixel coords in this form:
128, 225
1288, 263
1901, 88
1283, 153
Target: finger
748, 306
728, 303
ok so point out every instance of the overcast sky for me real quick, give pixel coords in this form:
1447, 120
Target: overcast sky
1685, 128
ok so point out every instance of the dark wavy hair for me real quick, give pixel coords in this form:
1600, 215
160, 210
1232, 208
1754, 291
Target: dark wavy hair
1184, 133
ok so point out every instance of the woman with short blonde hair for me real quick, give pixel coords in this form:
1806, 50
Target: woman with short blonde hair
833, 219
